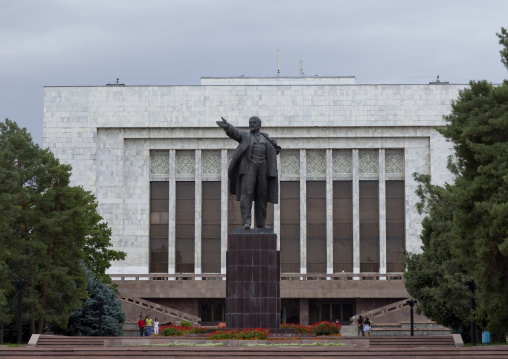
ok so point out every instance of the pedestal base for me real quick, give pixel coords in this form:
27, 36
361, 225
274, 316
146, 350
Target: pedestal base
252, 281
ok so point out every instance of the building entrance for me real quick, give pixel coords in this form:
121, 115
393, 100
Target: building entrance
331, 310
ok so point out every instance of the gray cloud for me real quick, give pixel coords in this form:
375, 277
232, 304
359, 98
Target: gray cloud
176, 42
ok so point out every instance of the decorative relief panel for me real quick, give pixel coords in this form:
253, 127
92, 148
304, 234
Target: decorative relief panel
342, 161
369, 162
185, 163
159, 162
316, 162
211, 162
394, 161
290, 162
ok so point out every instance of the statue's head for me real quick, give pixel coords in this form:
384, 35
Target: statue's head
254, 123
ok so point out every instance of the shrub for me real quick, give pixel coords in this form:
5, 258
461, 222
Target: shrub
170, 331
299, 328
186, 323
320, 328
244, 334
179, 330
326, 328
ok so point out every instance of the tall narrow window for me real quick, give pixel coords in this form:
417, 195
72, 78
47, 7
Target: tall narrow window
369, 226
290, 227
184, 236
316, 227
234, 214
395, 238
210, 227
159, 219
342, 226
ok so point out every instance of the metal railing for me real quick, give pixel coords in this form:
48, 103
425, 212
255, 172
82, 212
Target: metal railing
162, 309
283, 276
381, 310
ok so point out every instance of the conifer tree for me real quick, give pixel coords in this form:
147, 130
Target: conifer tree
51, 230
472, 228
85, 320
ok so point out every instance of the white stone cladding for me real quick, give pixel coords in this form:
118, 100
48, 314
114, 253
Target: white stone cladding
106, 133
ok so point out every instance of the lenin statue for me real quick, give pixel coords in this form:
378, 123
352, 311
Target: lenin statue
253, 172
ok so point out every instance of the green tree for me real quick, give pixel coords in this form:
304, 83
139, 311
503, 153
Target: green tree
470, 230
85, 320
435, 277
52, 229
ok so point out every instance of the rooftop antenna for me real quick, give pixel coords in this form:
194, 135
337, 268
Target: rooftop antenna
278, 63
301, 68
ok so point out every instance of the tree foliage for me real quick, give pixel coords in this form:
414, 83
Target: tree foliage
85, 320
465, 235
435, 277
50, 230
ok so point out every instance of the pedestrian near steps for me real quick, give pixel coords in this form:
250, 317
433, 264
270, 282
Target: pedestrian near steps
156, 326
141, 325
366, 326
148, 325
360, 326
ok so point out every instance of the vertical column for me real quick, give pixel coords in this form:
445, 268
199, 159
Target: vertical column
172, 211
329, 211
197, 213
303, 211
224, 210
382, 213
356, 212
276, 207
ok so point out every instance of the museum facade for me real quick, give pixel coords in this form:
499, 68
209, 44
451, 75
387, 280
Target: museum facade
158, 164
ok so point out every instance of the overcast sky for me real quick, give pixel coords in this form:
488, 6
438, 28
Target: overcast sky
150, 42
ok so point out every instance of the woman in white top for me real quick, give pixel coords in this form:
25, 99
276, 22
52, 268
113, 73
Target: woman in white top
156, 326
366, 326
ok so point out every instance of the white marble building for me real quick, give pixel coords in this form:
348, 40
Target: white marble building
119, 139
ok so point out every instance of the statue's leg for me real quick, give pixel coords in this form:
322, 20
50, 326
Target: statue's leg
248, 187
261, 195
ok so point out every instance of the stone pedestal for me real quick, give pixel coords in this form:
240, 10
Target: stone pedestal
252, 280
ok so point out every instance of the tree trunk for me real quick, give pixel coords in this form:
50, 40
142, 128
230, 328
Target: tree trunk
41, 325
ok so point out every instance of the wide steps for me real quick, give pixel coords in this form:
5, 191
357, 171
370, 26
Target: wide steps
253, 352
62, 341
134, 347
401, 342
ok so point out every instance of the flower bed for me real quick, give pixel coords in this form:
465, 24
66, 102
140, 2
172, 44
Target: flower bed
179, 330
320, 328
244, 334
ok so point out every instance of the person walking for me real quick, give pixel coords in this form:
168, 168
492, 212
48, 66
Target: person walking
360, 326
141, 325
148, 325
156, 326
366, 326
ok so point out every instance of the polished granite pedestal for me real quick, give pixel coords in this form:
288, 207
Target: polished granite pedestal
252, 280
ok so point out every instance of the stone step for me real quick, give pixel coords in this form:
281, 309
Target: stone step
404, 332
385, 341
396, 347
251, 352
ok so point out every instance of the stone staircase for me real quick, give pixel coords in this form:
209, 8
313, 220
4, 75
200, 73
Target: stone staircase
404, 329
59, 347
394, 320
133, 307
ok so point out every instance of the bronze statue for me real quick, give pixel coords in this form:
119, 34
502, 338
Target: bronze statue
253, 172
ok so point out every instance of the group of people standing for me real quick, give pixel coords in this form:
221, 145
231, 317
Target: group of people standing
146, 325
364, 326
